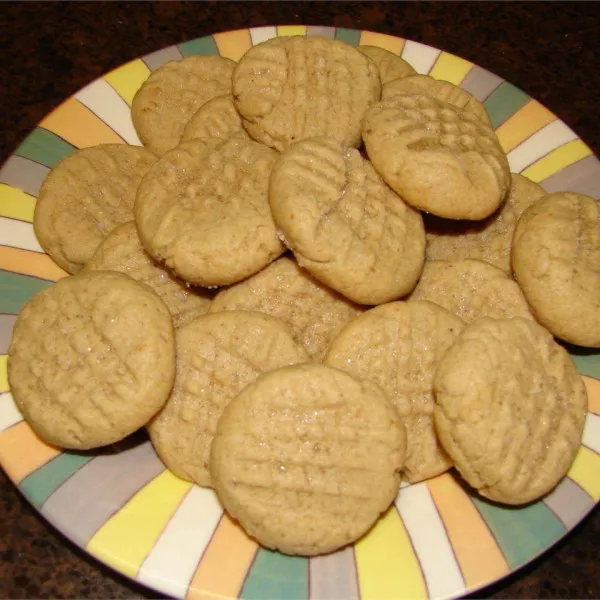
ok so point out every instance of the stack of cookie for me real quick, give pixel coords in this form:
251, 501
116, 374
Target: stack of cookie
361, 228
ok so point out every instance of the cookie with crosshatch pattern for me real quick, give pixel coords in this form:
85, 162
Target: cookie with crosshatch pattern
92, 359
390, 65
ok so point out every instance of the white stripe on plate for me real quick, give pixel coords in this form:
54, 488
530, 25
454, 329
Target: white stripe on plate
548, 138
421, 57
9, 413
18, 234
262, 34
429, 539
189, 531
104, 102
591, 432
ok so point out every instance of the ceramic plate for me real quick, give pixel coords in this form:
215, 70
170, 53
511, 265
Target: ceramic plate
124, 508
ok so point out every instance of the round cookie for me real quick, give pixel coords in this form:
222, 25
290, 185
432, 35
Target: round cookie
203, 210
84, 197
438, 89
390, 65
289, 88
92, 359
217, 356
437, 157
306, 458
556, 260
398, 346
344, 224
122, 251
491, 239
284, 290
510, 408
217, 118
167, 100
471, 289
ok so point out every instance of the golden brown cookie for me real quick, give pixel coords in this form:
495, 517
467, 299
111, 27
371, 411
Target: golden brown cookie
439, 89
217, 356
306, 458
399, 345
122, 251
510, 408
85, 197
390, 65
556, 260
92, 359
489, 240
173, 93
437, 157
217, 118
471, 289
283, 289
203, 210
289, 88
344, 224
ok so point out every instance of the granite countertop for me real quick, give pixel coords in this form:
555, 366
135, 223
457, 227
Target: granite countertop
53, 49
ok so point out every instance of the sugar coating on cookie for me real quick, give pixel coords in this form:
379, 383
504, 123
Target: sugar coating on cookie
510, 408
217, 356
439, 89
173, 93
489, 240
122, 251
290, 88
471, 289
556, 260
203, 210
284, 290
344, 224
217, 118
92, 359
307, 458
84, 197
398, 346
438, 158
390, 65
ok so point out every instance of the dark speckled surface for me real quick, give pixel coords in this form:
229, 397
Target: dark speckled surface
53, 49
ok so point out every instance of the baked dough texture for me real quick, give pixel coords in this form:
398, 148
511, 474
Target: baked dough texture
390, 65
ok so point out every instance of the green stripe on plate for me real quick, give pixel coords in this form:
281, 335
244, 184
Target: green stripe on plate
521, 532
38, 486
44, 147
275, 575
16, 289
203, 45
588, 364
504, 102
350, 36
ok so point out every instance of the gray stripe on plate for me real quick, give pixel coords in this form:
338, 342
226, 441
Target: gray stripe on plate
582, 177
317, 30
480, 82
7, 323
157, 59
333, 576
91, 496
24, 174
569, 502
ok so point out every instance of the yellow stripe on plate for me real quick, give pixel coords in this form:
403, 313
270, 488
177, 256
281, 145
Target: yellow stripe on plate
450, 68
381, 40
78, 125
22, 451
3, 373
476, 550
16, 204
556, 160
127, 80
386, 562
125, 540
233, 44
289, 30
593, 392
524, 123
584, 471
27, 262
